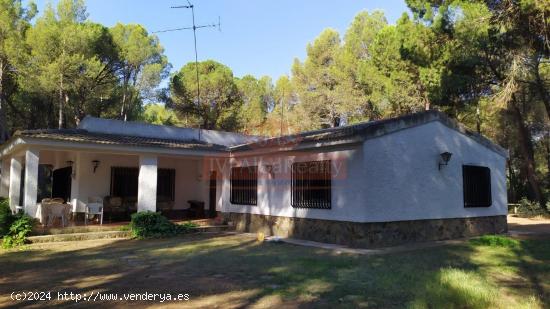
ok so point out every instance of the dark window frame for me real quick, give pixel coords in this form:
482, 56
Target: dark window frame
476, 186
130, 184
311, 185
244, 189
166, 192
166, 184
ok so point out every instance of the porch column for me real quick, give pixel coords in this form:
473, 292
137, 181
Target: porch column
15, 181
77, 202
31, 181
147, 183
5, 181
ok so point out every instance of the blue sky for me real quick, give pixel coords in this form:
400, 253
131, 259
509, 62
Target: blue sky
258, 37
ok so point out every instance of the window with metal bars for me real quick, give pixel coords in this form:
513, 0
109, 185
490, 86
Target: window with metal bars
476, 186
311, 184
124, 182
244, 185
166, 184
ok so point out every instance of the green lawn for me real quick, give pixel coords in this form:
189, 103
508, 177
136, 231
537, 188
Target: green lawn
236, 271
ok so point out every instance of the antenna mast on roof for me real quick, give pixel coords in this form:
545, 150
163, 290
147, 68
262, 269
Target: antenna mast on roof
194, 28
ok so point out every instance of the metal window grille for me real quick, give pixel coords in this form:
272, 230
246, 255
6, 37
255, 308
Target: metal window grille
124, 182
166, 184
311, 184
244, 185
476, 186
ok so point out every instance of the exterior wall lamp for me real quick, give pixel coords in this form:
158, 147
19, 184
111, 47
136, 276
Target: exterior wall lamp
95, 164
269, 170
445, 158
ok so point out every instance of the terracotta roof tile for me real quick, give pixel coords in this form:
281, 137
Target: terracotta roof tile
84, 136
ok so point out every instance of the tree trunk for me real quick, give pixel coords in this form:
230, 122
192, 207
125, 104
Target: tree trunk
547, 143
61, 99
526, 148
512, 181
4, 134
543, 92
205, 121
122, 110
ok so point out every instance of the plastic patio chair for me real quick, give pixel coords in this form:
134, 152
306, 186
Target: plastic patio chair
94, 208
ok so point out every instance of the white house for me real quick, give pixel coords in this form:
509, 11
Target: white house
413, 178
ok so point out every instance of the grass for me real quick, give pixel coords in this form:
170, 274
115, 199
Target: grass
232, 271
495, 241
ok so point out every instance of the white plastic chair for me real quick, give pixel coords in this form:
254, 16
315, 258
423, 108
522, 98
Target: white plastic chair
56, 210
94, 208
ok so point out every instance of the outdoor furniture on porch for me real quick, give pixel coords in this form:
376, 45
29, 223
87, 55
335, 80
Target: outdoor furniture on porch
164, 205
113, 206
50, 209
94, 208
196, 209
130, 204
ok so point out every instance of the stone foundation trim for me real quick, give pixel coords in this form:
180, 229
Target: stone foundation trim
370, 234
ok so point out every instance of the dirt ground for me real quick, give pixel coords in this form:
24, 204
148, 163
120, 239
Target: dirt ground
528, 225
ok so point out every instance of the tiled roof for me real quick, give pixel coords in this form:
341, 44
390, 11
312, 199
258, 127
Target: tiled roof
371, 129
84, 136
359, 131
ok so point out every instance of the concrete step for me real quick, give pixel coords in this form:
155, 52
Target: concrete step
77, 229
79, 236
212, 228
92, 235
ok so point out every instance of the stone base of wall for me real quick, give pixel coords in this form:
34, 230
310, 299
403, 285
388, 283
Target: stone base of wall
367, 235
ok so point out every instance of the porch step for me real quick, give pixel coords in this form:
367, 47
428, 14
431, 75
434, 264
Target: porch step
77, 229
212, 228
201, 222
79, 236
92, 235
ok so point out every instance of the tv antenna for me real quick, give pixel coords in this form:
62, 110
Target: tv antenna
194, 28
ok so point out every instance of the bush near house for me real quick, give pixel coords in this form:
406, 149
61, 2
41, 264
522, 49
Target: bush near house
529, 208
148, 224
6, 217
18, 231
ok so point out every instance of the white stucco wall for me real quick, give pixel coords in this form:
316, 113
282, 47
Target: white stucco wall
274, 197
402, 180
394, 177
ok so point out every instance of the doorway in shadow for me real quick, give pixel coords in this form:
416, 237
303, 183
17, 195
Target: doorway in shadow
61, 184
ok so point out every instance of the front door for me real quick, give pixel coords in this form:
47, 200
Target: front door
212, 194
61, 184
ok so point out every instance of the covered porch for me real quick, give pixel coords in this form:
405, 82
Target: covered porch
181, 187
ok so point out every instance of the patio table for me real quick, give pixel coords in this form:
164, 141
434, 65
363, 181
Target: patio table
46, 209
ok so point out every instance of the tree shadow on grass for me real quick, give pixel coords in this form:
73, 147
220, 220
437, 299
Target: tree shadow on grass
236, 271
534, 264
207, 267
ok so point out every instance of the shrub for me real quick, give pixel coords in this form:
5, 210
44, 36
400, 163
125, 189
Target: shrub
149, 224
187, 226
18, 231
6, 217
531, 208
495, 241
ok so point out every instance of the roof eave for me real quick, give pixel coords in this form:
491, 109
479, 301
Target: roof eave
54, 144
